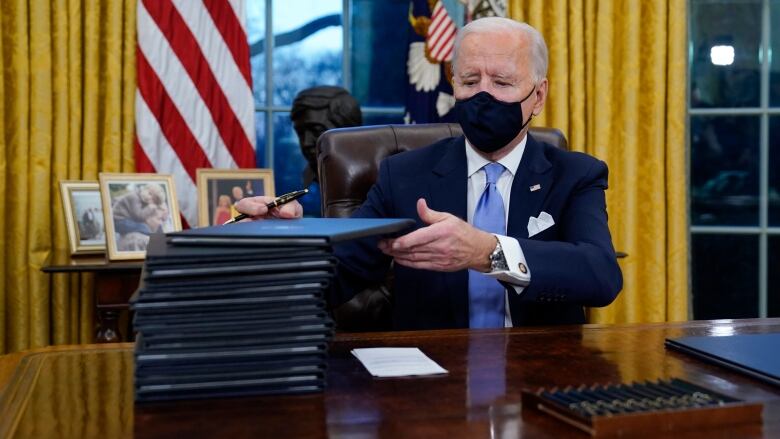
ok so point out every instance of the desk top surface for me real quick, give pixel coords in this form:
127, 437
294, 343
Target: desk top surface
87, 391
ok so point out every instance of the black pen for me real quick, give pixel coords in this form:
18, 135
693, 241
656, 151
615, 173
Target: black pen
278, 201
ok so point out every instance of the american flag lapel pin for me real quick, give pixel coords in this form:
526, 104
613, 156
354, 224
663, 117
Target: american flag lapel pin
535, 187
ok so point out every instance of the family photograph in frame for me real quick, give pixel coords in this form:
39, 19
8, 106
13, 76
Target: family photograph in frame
83, 217
136, 206
220, 189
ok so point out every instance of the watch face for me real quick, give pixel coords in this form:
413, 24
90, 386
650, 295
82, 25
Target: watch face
499, 266
498, 261
497, 251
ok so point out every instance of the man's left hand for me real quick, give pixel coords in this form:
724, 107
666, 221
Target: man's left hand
447, 244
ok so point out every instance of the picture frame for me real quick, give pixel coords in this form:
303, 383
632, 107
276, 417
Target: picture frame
219, 189
83, 217
135, 206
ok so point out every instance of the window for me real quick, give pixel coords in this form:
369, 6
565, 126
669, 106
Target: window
734, 126
295, 44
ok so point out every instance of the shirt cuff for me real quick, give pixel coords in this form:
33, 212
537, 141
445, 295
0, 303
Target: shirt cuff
518, 276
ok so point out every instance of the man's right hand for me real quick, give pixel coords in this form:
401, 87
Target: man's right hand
256, 208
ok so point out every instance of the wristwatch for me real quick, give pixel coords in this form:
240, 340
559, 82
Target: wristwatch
497, 259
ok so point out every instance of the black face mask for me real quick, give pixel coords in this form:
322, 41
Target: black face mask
488, 123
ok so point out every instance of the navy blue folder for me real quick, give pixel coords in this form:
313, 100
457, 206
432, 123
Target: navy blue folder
757, 355
303, 231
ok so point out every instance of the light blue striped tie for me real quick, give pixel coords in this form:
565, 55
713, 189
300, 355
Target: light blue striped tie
486, 295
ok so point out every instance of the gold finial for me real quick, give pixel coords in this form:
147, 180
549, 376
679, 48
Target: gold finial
419, 24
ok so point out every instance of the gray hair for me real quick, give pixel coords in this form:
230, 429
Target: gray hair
501, 24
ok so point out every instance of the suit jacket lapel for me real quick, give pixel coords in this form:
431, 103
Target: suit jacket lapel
449, 174
534, 170
448, 194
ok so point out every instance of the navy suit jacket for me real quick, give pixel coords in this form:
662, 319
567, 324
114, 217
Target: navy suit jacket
572, 263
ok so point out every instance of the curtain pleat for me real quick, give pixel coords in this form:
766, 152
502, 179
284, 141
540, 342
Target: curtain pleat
16, 75
617, 90
4, 312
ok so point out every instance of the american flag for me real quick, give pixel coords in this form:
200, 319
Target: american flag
194, 106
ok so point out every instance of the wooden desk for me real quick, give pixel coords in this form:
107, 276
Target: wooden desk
115, 282
86, 391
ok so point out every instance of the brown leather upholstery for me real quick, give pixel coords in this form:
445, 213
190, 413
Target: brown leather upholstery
348, 160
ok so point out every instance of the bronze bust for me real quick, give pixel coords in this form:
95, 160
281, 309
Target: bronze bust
316, 110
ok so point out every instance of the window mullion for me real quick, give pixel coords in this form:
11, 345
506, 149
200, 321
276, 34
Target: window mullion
763, 247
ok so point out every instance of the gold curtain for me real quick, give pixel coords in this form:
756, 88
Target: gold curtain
617, 90
67, 88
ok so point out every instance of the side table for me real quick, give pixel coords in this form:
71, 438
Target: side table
115, 282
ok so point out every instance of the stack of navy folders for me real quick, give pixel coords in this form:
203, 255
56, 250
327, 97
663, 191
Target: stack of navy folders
239, 309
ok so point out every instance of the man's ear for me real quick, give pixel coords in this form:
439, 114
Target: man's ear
541, 96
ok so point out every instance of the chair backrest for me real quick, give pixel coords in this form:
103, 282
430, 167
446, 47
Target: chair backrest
348, 158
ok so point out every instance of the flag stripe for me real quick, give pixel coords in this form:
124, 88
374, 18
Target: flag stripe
177, 84
240, 11
157, 150
436, 21
142, 162
434, 34
442, 39
168, 116
445, 47
232, 32
224, 67
448, 56
184, 46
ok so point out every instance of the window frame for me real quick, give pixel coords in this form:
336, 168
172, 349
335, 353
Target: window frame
764, 111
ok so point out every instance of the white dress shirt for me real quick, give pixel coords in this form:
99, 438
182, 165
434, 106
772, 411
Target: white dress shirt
511, 247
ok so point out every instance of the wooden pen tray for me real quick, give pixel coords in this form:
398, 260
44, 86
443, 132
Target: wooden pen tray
641, 408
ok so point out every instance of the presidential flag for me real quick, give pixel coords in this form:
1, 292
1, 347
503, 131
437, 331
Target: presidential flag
431, 46
194, 106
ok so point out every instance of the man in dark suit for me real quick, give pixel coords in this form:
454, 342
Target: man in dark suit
510, 231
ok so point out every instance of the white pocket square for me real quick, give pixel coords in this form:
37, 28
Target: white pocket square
538, 225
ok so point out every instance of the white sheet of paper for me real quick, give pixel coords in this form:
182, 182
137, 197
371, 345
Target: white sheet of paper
397, 362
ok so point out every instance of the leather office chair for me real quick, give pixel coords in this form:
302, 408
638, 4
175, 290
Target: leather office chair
348, 162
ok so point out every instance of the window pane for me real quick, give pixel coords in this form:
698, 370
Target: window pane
774, 277
255, 27
724, 271
724, 170
379, 46
726, 37
308, 39
382, 118
260, 139
774, 171
774, 72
